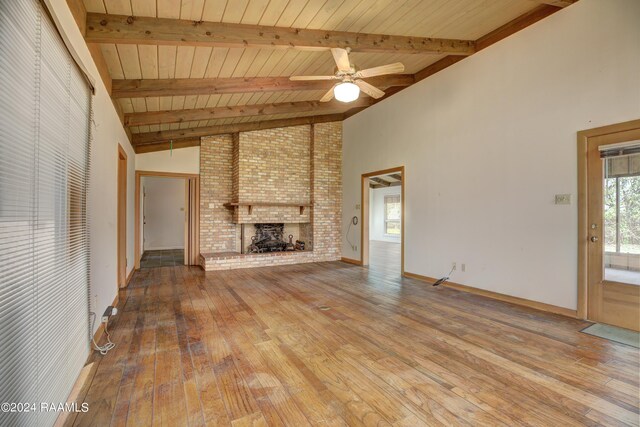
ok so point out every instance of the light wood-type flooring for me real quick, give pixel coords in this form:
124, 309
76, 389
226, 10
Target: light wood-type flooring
335, 344
385, 258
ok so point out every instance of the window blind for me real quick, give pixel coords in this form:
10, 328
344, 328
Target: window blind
44, 160
623, 165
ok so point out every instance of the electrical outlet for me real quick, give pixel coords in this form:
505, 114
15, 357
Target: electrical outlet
463, 267
454, 266
108, 312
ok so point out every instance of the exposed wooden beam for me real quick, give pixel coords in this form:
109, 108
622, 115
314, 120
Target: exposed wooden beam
121, 29
167, 145
520, 23
171, 135
437, 66
138, 88
396, 176
557, 3
393, 184
154, 141
512, 27
197, 114
79, 13
101, 65
381, 181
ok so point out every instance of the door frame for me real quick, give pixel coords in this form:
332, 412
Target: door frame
192, 214
583, 197
364, 206
121, 218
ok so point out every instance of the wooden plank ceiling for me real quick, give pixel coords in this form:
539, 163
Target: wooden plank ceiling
383, 181
184, 82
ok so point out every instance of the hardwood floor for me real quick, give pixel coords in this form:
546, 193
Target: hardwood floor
337, 344
385, 257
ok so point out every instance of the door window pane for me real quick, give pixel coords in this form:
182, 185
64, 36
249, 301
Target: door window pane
622, 219
629, 219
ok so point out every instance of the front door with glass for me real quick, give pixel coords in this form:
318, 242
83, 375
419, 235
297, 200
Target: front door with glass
613, 168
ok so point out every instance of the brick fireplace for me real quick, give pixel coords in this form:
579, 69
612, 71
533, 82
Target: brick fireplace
272, 237
289, 176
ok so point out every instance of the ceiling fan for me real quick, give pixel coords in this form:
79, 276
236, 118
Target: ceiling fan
351, 83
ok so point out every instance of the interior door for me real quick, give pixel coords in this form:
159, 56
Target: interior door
613, 218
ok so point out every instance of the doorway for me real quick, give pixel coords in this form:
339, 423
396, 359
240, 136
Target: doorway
609, 240
382, 232
167, 215
122, 218
163, 221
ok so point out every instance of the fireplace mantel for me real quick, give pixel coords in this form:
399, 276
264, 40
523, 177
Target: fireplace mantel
250, 205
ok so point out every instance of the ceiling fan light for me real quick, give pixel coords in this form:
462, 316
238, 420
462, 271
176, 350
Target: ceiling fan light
346, 92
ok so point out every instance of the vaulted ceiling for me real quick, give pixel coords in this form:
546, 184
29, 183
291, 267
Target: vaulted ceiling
176, 73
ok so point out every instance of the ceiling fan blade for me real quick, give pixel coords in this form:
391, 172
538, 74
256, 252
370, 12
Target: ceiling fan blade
341, 56
294, 78
394, 68
328, 96
370, 90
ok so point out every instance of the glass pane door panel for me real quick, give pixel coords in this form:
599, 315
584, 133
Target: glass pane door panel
622, 219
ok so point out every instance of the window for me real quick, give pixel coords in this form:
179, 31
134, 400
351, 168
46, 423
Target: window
44, 161
622, 214
392, 212
622, 204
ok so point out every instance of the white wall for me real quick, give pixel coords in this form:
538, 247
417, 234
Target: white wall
488, 142
163, 212
182, 160
102, 199
376, 213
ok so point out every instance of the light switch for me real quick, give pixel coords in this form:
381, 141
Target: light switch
563, 199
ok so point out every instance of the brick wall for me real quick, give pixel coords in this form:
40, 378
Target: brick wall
217, 231
293, 165
326, 190
273, 165
235, 161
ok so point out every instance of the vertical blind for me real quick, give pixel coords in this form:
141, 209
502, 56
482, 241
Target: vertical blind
45, 106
